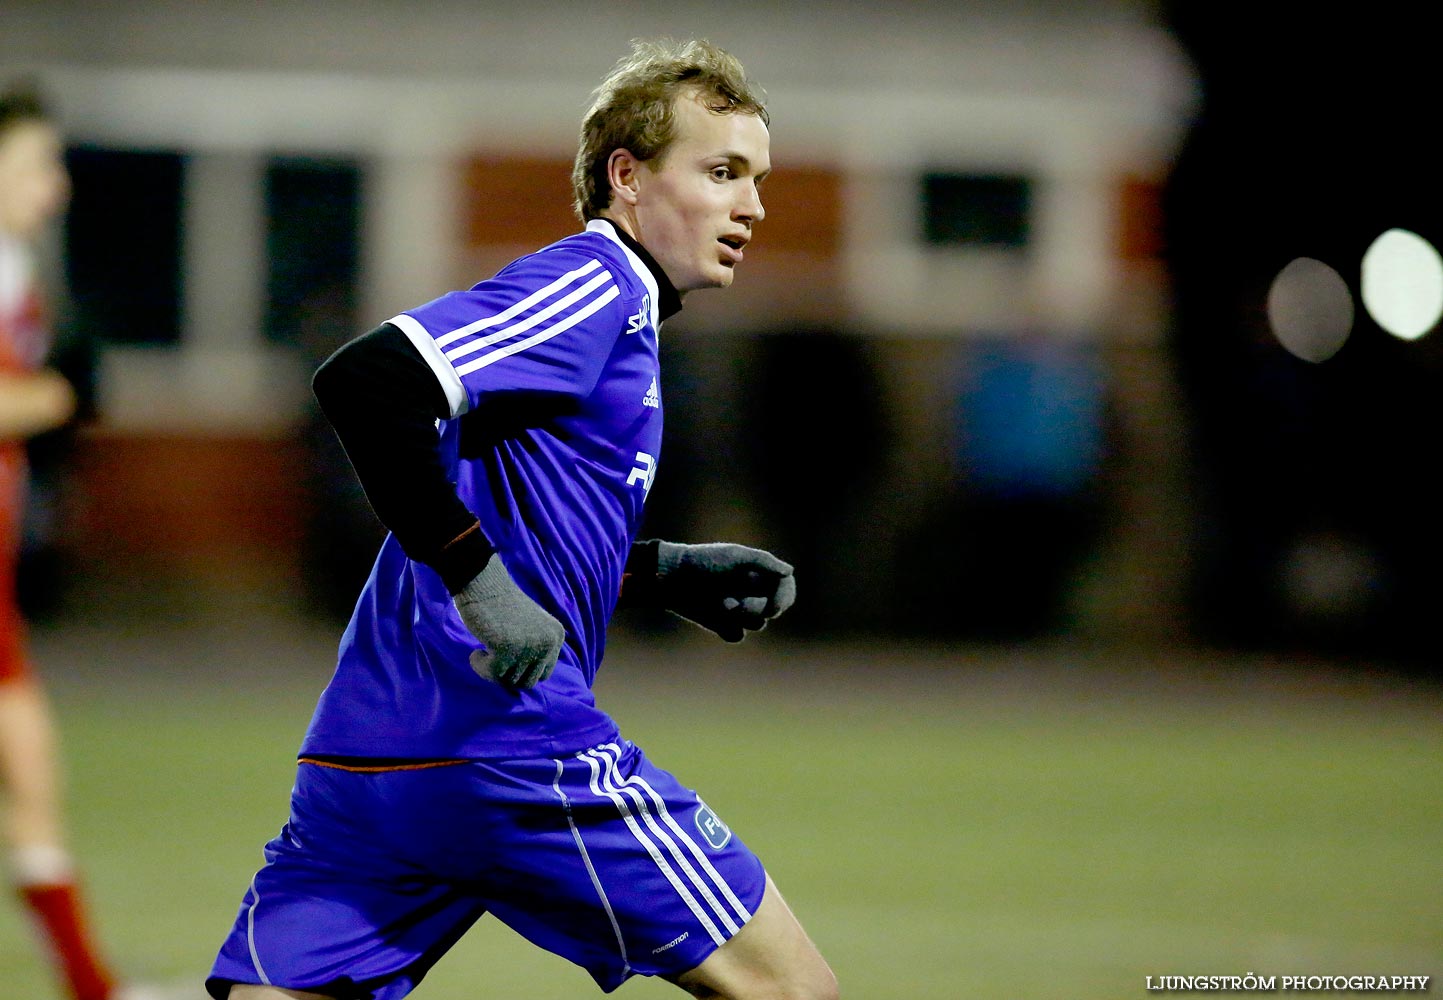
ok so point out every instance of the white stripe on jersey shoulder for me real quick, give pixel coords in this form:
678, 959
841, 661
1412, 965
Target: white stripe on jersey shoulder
535, 319
607, 228
546, 334
517, 308
456, 396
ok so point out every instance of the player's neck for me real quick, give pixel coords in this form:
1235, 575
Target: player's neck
623, 221
670, 298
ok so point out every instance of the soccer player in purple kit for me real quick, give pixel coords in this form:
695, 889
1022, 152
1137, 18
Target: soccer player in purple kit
507, 436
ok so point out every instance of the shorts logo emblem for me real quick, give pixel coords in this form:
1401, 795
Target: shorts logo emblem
712, 828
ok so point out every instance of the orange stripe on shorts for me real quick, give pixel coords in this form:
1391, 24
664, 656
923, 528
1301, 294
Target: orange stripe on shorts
419, 765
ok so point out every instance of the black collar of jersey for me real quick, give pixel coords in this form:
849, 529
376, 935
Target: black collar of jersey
670, 303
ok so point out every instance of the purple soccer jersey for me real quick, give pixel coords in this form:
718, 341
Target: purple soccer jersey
551, 372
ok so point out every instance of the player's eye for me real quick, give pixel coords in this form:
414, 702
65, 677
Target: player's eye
721, 173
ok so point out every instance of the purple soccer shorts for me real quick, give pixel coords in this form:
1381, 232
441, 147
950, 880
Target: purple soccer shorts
601, 857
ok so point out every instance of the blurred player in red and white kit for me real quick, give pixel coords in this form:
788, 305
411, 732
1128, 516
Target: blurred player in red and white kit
34, 189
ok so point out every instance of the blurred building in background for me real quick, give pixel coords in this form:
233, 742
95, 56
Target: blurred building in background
950, 382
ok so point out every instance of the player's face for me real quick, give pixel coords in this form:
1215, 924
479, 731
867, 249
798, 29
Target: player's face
33, 183
696, 207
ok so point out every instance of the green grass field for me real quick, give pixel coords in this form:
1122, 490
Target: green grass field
947, 823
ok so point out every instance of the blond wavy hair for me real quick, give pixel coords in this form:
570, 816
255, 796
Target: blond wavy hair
634, 108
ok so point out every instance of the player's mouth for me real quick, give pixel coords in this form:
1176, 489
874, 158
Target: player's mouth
732, 248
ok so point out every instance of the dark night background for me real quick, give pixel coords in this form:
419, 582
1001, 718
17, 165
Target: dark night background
1314, 137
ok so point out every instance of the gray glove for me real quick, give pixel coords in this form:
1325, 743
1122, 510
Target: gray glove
727, 588
522, 639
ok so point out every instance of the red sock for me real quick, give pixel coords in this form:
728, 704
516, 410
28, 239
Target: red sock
58, 913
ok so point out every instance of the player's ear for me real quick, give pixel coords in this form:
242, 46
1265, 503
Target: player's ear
623, 171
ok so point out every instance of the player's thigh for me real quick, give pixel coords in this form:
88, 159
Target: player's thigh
239, 992
770, 958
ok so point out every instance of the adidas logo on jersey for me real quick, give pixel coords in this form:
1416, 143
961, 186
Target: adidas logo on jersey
652, 397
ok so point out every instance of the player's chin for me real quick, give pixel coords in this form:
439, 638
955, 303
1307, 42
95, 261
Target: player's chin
708, 275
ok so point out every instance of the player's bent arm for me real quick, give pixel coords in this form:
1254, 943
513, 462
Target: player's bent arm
34, 402
383, 400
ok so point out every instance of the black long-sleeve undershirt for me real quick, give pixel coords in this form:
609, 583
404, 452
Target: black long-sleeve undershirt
383, 401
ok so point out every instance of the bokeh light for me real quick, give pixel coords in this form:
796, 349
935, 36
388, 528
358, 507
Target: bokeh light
1402, 284
1310, 309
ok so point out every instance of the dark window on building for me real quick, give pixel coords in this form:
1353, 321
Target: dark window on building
312, 247
975, 210
122, 240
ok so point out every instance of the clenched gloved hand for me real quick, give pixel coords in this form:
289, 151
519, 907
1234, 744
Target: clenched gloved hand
522, 639
727, 588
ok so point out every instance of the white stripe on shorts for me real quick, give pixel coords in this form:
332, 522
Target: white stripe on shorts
594, 761
590, 870
251, 932
692, 845
629, 785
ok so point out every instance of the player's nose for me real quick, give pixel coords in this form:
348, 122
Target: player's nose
750, 205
